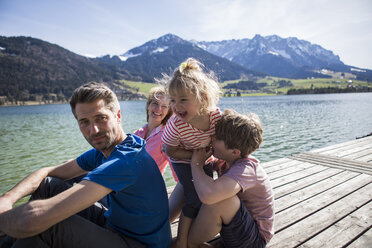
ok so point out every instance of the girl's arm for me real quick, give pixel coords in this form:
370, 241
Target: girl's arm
177, 152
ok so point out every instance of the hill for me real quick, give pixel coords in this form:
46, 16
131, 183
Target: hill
35, 70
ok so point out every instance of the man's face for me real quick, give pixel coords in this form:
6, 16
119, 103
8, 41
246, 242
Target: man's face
99, 125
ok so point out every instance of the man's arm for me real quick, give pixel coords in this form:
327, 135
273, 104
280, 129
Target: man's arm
37, 216
210, 191
28, 185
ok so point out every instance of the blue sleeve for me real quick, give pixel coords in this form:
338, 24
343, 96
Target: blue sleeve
89, 160
116, 174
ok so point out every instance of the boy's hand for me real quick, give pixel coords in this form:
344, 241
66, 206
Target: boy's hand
200, 155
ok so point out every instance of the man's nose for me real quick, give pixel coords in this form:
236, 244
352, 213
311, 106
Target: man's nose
94, 128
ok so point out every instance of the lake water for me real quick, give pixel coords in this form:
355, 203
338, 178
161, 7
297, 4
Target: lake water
32, 137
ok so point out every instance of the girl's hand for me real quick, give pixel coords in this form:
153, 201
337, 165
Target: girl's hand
199, 156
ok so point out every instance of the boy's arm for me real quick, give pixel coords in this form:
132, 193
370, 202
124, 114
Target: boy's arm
210, 191
37, 216
28, 185
177, 152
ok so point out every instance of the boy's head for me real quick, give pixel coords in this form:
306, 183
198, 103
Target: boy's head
237, 131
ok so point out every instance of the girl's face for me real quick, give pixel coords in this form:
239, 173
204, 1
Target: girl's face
185, 106
157, 109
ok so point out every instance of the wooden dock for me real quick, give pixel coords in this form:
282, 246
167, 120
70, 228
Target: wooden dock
323, 197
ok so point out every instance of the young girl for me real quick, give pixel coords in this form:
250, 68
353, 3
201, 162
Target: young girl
193, 98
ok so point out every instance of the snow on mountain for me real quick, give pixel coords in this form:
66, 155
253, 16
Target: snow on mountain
261, 53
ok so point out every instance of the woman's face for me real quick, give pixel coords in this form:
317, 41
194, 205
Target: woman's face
157, 109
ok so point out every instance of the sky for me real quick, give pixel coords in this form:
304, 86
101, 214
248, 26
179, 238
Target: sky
100, 27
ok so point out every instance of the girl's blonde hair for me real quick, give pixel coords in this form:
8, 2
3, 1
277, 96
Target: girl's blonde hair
154, 94
189, 76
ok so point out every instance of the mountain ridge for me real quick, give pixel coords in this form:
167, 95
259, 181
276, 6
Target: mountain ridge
164, 54
33, 69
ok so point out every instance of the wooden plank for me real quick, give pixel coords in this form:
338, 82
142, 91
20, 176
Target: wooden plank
340, 234
297, 185
351, 150
293, 177
310, 206
332, 159
335, 162
280, 167
311, 190
367, 159
342, 146
274, 162
302, 229
294, 168
358, 154
365, 240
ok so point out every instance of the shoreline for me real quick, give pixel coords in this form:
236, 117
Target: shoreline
35, 103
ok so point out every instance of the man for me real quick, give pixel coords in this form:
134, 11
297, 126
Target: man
120, 167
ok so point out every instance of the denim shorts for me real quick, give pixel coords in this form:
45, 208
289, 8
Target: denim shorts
242, 231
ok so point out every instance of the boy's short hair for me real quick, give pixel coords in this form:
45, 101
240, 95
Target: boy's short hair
93, 91
242, 132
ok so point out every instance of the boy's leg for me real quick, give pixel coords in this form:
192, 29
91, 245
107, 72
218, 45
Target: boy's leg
210, 219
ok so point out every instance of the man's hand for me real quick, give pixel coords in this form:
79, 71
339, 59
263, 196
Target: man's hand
5, 204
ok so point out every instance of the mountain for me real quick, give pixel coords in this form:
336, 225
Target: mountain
276, 56
164, 54
32, 69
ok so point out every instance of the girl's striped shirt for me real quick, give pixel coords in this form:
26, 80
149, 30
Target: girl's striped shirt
184, 135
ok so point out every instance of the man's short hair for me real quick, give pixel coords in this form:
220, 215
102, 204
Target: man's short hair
93, 91
242, 132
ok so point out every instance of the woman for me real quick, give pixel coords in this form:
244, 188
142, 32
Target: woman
158, 112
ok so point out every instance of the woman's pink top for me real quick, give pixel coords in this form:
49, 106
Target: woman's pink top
153, 147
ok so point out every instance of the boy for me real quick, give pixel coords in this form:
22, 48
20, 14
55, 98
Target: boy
240, 203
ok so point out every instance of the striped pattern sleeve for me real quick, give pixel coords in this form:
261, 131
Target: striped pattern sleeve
214, 117
171, 135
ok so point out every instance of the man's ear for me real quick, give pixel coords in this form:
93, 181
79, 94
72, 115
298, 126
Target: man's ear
118, 116
236, 152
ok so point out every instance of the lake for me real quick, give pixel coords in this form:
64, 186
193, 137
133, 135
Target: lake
32, 137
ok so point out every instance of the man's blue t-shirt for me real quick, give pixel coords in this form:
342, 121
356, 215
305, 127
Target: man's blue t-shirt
138, 203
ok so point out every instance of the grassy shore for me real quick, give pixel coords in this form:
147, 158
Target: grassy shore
272, 87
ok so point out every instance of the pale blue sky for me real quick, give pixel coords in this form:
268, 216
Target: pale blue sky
99, 27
